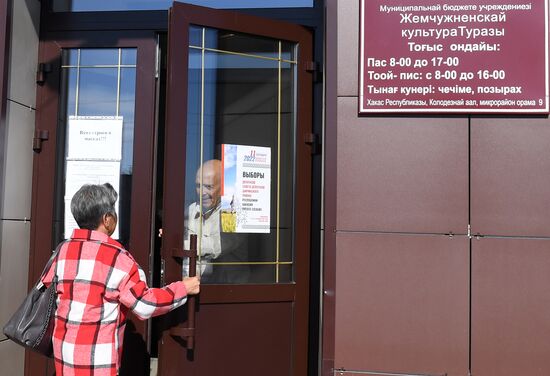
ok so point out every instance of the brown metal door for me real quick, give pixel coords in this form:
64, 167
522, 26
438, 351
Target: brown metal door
105, 78
239, 104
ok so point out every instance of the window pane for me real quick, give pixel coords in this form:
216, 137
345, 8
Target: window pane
97, 91
107, 56
287, 50
286, 274
70, 79
69, 57
195, 36
246, 44
126, 110
97, 107
129, 56
237, 104
95, 5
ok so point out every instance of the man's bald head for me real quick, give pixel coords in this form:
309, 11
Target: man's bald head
210, 172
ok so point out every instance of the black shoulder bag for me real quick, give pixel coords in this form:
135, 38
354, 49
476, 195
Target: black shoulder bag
32, 324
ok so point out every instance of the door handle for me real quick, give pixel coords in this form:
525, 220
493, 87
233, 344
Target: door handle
188, 332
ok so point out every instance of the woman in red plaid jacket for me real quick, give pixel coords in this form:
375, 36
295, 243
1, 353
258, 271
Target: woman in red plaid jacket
98, 282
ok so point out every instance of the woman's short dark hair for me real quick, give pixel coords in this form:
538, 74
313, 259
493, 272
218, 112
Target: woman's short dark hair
91, 202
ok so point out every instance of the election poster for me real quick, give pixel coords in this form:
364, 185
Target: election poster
246, 189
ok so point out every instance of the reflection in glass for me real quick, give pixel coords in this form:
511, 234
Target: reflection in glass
69, 57
195, 36
70, 80
99, 56
127, 102
238, 43
247, 44
97, 91
241, 95
94, 5
128, 56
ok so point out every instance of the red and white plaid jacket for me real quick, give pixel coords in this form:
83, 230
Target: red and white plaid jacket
98, 282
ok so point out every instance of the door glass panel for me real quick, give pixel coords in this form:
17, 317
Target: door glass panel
97, 113
240, 129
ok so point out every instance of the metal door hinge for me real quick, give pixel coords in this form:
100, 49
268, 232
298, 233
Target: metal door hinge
313, 67
312, 139
39, 136
42, 72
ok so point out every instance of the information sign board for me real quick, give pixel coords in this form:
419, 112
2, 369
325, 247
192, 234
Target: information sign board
454, 57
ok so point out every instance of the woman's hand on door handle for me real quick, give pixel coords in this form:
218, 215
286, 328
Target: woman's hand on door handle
192, 285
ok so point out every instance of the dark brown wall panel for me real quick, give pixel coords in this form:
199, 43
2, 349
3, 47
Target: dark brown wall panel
511, 176
510, 307
401, 174
402, 303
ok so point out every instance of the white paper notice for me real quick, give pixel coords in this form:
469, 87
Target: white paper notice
246, 196
95, 138
94, 152
88, 172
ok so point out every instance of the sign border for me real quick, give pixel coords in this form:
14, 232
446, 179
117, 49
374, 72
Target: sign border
363, 111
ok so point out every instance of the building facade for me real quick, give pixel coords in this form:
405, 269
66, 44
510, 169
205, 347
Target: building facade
362, 244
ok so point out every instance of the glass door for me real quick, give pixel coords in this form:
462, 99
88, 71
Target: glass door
237, 175
95, 124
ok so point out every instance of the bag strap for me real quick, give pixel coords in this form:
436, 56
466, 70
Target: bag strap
53, 257
49, 263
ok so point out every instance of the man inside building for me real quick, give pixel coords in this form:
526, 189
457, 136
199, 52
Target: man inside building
219, 253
